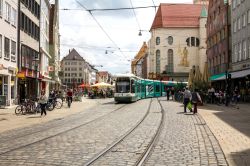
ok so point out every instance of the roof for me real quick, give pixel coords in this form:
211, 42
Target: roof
73, 55
177, 15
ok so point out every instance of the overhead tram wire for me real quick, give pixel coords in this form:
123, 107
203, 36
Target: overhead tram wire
154, 5
135, 15
90, 12
110, 9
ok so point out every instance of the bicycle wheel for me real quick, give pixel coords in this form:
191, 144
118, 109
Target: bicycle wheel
58, 104
49, 106
19, 110
69, 103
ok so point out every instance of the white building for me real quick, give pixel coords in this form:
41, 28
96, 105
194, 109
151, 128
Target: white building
76, 70
8, 50
28, 54
178, 41
44, 46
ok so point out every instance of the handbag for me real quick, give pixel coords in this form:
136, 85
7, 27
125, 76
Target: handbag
189, 105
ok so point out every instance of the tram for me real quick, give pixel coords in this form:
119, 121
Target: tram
130, 88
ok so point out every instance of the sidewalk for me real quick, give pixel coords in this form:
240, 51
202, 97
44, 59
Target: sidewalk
231, 127
9, 121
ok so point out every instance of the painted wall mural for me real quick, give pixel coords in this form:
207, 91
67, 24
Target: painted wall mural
184, 57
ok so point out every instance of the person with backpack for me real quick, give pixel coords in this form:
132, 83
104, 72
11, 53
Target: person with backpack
195, 99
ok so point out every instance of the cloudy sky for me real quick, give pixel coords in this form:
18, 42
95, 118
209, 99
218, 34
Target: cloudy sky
113, 40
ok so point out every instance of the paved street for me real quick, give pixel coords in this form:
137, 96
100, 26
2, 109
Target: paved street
73, 136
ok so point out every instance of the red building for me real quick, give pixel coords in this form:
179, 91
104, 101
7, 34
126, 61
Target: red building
218, 39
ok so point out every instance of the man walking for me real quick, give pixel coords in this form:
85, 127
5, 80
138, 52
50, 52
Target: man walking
187, 98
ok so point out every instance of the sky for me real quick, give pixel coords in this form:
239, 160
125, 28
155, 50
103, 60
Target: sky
108, 40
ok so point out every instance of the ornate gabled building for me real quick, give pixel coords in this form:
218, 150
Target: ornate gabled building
139, 63
178, 41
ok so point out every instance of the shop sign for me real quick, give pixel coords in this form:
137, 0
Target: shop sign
21, 74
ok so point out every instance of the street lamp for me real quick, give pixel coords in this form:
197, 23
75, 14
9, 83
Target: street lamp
140, 34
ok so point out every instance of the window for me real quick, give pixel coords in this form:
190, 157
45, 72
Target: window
244, 56
248, 16
193, 42
13, 50
239, 23
244, 19
170, 40
234, 4
240, 48
235, 53
157, 40
158, 62
8, 12
235, 25
1, 45
6, 48
14, 17
1, 8
248, 48
170, 67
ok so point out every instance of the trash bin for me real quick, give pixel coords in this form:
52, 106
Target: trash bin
2, 101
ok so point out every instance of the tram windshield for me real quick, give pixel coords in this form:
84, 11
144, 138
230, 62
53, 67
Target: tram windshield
123, 85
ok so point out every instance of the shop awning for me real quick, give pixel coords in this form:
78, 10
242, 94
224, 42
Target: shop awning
239, 74
218, 77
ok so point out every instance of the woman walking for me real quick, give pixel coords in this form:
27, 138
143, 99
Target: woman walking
43, 102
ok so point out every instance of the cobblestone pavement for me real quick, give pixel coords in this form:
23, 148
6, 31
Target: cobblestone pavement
72, 147
231, 127
185, 140
132, 147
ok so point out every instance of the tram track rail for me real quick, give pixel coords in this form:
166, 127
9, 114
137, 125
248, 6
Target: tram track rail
145, 154
106, 150
55, 123
57, 134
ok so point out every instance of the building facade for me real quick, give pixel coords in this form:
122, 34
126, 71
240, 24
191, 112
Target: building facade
75, 70
28, 48
8, 51
104, 76
218, 39
54, 44
45, 56
240, 71
139, 64
177, 41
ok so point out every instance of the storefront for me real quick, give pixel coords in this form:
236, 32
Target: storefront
7, 86
28, 85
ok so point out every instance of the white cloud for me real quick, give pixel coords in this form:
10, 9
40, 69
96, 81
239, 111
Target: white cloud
79, 30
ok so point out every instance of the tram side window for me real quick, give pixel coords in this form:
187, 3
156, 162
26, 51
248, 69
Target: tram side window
157, 88
132, 86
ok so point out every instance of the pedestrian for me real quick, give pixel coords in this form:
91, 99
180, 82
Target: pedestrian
168, 93
187, 98
195, 99
43, 102
172, 93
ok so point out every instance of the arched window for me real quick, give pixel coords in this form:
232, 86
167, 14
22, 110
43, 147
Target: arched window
158, 61
157, 40
193, 42
170, 40
170, 61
